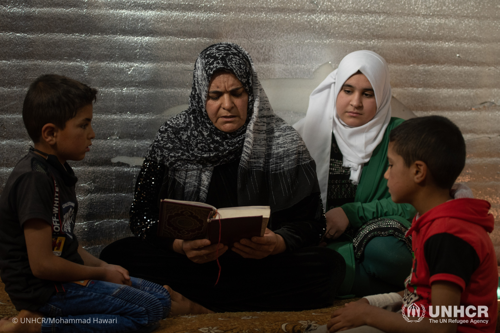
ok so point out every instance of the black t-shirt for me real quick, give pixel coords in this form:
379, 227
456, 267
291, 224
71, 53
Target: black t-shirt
36, 189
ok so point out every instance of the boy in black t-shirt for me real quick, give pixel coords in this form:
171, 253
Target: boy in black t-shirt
39, 253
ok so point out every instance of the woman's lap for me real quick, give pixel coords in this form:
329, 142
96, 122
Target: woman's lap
307, 278
385, 264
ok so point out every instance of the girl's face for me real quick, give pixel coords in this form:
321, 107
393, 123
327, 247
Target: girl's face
356, 104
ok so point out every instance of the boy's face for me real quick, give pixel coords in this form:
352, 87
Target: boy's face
399, 178
74, 140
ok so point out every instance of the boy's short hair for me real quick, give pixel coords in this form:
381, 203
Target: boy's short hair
434, 140
54, 99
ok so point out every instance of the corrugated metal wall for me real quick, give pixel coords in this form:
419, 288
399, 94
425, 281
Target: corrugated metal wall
443, 55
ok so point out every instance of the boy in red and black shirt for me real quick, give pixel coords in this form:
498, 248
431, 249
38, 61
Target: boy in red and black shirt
453, 283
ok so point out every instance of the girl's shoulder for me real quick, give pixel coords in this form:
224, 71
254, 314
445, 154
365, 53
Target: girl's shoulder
395, 122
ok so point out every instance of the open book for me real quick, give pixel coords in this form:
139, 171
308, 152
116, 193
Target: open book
195, 220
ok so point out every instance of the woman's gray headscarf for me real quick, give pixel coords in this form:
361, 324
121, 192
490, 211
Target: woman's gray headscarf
275, 167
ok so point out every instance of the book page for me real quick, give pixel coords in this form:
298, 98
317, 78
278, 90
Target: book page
245, 211
229, 212
192, 203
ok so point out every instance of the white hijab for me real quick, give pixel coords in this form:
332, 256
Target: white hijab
355, 143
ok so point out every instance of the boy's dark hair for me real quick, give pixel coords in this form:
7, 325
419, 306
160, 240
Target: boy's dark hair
434, 140
54, 99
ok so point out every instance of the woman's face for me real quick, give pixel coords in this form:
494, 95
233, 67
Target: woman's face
227, 102
356, 104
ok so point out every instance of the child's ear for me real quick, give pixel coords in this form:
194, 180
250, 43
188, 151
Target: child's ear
419, 171
49, 133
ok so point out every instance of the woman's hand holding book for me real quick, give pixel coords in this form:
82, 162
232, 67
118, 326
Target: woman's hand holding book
199, 250
260, 247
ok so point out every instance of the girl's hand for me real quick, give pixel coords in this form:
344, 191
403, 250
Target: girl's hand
336, 223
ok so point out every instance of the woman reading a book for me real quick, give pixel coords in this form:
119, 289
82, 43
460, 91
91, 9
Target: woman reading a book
228, 149
346, 129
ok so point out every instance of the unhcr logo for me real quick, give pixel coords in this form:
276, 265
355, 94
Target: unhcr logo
459, 314
413, 313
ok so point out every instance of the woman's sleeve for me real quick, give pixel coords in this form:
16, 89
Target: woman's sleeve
360, 213
301, 225
144, 211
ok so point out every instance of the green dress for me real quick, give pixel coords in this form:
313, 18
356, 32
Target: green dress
377, 255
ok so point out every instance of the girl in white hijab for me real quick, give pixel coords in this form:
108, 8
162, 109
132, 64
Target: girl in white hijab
346, 130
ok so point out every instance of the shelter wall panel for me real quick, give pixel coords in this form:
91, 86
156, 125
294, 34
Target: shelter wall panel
106, 127
221, 20
474, 124
118, 179
126, 101
108, 228
102, 151
442, 55
428, 99
98, 207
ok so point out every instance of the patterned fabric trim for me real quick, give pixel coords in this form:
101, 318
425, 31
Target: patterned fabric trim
380, 227
341, 190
